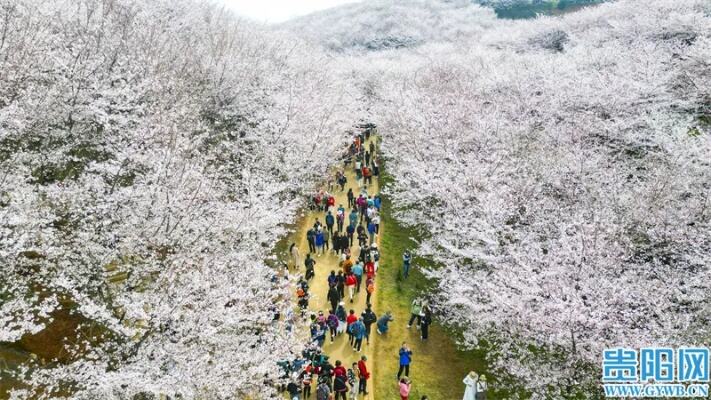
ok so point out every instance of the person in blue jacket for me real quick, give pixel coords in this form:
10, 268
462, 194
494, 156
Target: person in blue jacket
383, 322
329, 222
371, 232
319, 241
405, 359
358, 332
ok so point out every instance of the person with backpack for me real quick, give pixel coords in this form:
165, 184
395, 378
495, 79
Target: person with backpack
405, 356
341, 314
306, 379
323, 391
364, 375
369, 318
358, 329
350, 320
383, 323
369, 289
352, 374
332, 323
340, 381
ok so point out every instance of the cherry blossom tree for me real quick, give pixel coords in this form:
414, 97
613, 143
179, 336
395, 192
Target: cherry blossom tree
559, 172
151, 154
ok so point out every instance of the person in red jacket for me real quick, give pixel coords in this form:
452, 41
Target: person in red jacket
370, 269
351, 282
351, 318
340, 379
364, 375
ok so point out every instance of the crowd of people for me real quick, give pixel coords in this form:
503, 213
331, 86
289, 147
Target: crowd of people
349, 232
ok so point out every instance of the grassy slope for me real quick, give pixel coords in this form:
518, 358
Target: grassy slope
438, 367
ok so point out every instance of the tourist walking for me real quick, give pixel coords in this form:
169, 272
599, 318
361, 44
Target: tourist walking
311, 238
330, 220
353, 381
369, 318
340, 379
358, 330
357, 270
333, 297
309, 264
351, 282
370, 289
319, 241
364, 375
351, 198
323, 392
332, 322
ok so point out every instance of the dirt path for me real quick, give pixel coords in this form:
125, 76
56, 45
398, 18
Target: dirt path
339, 349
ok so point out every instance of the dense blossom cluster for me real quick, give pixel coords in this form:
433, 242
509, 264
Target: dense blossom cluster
150, 154
559, 169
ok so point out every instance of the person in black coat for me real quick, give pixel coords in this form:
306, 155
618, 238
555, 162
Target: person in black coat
425, 323
333, 297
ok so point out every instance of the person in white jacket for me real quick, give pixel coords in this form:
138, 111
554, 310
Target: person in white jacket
470, 384
295, 256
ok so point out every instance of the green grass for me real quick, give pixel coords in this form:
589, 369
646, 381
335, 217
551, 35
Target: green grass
438, 367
